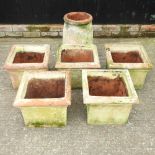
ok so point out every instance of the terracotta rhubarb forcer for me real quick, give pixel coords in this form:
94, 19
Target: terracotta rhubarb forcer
75, 58
78, 28
26, 57
108, 95
130, 56
43, 98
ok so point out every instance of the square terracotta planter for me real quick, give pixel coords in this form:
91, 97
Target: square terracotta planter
75, 58
43, 98
25, 57
108, 95
129, 56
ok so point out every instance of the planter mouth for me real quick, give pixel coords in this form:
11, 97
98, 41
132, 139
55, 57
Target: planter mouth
44, 88
78, 18
127, 56
108, 87
25, 56
28, 57
77, 57
103, 86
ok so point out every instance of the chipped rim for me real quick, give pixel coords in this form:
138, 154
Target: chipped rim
20, 101
45, 48
122, 47
132, 97
78, 22
77, 65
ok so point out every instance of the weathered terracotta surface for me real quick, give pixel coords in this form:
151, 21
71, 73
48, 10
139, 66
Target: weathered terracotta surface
78, 29
76, 67
105, 109
16, 69
44, 109
138, 70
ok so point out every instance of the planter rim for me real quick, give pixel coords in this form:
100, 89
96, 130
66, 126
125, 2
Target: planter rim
78, 22
45, 48
20, 101
78, 65
132, 97
120, 47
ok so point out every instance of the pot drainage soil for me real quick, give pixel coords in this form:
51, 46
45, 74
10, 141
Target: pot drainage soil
45, 88
101, 86
76, 55
28, 57
128, 57
78, 16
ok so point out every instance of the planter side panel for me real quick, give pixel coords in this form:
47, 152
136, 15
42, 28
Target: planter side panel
108, 114
138, 77
78, 34
44, 116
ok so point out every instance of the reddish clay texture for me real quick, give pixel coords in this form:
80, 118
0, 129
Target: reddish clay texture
128, 57
45, 88
28, 57
101, 86
76, 55
78, 16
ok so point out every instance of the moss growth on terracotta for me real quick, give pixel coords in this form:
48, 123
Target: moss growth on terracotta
108, 114
45, 116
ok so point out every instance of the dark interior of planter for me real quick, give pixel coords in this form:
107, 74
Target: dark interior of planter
28, 57
102, 86
127, 57
45, 88
77, 55
78, 16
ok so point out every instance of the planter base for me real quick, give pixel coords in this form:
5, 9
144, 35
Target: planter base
108, 114
44, 116
138, 77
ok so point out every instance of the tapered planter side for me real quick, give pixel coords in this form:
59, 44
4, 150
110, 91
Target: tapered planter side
78, 28
44, 111
75, 68
108, 109
16, 70
138, 71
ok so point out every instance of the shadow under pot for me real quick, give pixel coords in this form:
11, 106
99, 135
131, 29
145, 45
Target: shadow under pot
75, 58
108, 96
43, 98
129, 56
78, 28
25, 57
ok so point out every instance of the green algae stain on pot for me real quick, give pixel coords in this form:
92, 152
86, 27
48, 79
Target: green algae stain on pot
45, 116
76, 78
138, 77
108, 114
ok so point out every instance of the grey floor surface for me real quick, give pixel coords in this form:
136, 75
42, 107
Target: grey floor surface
77, 138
